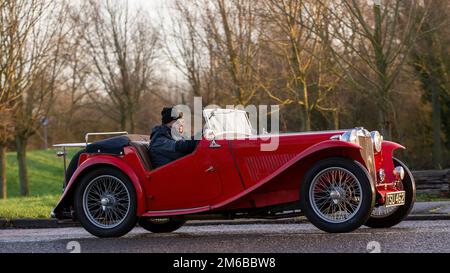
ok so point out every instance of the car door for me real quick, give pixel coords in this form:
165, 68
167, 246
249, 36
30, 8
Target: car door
224, 162
190, 182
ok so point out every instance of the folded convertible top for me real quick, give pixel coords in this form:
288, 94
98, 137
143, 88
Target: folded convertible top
115, 145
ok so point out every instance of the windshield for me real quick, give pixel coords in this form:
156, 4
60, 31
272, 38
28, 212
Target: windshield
228, 122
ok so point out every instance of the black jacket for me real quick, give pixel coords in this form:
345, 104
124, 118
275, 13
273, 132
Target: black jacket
164, 149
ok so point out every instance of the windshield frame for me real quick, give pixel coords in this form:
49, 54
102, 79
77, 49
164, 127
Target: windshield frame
209, 113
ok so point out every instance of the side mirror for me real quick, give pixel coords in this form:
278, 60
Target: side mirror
210, 136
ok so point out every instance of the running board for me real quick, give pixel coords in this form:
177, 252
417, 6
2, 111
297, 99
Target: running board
159, 213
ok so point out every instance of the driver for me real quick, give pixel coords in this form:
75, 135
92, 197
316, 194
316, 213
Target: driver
167, 142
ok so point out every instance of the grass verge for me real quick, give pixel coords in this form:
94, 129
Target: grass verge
35, 207
45, 174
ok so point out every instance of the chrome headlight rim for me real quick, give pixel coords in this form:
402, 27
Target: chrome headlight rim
377, 140
353, 135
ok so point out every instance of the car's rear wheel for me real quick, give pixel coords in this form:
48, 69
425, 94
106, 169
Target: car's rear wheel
105, 203
337, 195
161, 225
383, 217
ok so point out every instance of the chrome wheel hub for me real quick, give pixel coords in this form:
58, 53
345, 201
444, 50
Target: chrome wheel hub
337, 195
108, 202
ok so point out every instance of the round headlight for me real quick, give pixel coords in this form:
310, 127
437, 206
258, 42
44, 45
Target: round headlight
377, 139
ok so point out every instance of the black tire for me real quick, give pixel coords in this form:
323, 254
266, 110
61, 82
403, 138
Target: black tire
129, 219
161, 225
366, 201
409, 186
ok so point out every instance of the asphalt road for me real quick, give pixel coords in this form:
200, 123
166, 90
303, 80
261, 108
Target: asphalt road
409, 236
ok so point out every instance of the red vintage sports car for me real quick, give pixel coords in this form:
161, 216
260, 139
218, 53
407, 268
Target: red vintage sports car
339, 180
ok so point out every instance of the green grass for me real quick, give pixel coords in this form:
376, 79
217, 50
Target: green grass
425, 197
27, 207
45, 174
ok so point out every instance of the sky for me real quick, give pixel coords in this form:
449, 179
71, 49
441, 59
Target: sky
156, 8
159, 13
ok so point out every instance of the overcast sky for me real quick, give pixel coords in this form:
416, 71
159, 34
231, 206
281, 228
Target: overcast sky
156, 8
159, 15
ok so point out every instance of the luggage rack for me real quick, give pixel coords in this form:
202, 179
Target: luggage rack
64, 147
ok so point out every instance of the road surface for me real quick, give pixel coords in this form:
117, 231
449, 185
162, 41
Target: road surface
409, 236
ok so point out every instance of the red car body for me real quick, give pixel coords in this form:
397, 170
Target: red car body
237, 176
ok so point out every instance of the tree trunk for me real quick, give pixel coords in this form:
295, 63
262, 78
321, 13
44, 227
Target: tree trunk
336, 120
384, 119
436, 121
382, 71
307, 110
3, 185
21, 143
131, 120
123, 121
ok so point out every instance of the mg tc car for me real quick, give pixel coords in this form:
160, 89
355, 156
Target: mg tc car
339, 180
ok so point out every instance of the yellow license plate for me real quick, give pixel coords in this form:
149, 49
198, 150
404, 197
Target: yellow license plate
395, 199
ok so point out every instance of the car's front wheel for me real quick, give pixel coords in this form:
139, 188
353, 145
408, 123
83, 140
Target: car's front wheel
105, 203
337, 195
163, 225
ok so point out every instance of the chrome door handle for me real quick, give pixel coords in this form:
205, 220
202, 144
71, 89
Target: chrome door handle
210, 169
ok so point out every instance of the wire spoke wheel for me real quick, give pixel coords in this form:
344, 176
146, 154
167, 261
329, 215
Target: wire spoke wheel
106, 201
335, 195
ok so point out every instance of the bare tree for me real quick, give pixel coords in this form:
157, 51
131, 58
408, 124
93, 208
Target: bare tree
27, 46
308, 74
232, 35
190, 51
6, 130
431, 63
380, 36
122, 47
71, 97
40, 66
5, 92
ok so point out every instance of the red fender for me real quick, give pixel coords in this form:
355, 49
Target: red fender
387, 151
321, 146
114, 162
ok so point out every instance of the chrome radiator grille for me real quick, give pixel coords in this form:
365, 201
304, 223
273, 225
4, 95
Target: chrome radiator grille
367, 154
